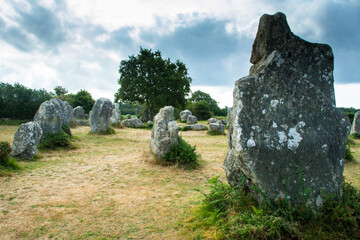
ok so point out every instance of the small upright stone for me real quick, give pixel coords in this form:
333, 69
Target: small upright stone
285, 132
52, 114
164, 133
128, 116
184, 115
217, 128
100, 115
26, 140
355, 128
191, 119
79, 112
212, 120
116, 114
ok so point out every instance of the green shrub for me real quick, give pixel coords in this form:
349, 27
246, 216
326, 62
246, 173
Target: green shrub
5, 149
348, 154
109, 131
182, 154
200, 109
234, 214
185, 128
355, 136
55, 140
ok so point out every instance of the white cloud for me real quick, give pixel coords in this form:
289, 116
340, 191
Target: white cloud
92, 66
347, 95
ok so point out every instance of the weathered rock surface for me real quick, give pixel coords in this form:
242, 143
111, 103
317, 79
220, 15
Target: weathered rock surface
87, 116
133, 123
196, 127
223, 122
116, 114
284, 130
164, 133
355, 128
217, 127
52, 114
128, 116
212, 120
100, 115
26, 140
79, 112
81, 122
191, 119
184, 115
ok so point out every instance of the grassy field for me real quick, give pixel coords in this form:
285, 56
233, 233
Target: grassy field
110, 188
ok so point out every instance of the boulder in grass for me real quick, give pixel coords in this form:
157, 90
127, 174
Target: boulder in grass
184, 115
79, 112
164, 133
133, 123
26, 140
100, 115
212, 120
191, 119
217, 128
196, 127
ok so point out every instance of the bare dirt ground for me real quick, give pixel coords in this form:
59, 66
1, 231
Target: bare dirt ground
109, 188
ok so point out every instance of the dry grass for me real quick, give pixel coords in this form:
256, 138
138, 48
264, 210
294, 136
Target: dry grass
109, 188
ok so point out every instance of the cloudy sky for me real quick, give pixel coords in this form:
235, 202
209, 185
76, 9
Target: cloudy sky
79, 44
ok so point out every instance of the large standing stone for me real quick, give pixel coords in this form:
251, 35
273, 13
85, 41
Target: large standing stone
26, 140
100, 115
116, 114
79, 112
355, 128
52, 114
133, 123
285, 134
164, 133
184, 115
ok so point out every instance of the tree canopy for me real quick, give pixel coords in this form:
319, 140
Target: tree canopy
151, 80
20, 102
83, 98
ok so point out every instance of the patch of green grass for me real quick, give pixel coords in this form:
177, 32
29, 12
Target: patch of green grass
185, 128
109, 131
212, 133
232, 213
13, 122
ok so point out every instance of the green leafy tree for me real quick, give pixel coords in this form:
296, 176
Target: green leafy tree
83, 98
60, 92
151, 80
200, 109
199, 96
20, 102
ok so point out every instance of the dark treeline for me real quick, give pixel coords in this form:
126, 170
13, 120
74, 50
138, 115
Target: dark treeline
20, 102
350, 112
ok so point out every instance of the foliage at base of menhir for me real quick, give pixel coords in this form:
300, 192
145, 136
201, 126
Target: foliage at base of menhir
183, 155
56, 140
232, 213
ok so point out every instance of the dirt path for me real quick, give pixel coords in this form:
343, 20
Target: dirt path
108, 188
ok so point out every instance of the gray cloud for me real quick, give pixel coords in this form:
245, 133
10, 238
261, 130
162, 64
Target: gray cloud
209, 52
39, 21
